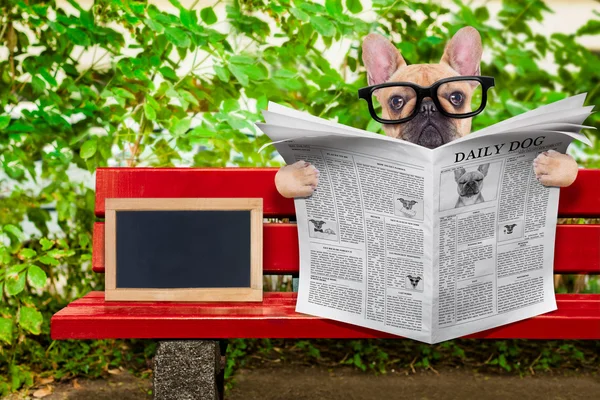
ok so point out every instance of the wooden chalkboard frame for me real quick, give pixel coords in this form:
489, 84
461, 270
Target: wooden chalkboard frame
252, 293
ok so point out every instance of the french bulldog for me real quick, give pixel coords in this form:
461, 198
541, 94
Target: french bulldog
469, 185
384, 63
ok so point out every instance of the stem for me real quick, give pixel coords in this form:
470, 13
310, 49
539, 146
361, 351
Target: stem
136, 146
518, 17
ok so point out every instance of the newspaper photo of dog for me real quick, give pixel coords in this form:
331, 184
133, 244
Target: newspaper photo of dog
323, 229
468, 185
510, 230
414, 283
408, 207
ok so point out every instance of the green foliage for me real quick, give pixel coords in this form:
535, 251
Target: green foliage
518, 357
127, 84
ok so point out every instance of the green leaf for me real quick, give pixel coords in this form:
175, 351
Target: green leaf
181, 127
49, 78
4, 121
201, 132
31, 320
178, 37
15, 283
187, 96
334, 7
592, 27
123, 93
208, 15
14, 231
242, 60
222, 73
38, 84
26, 254
301, 15
149, 112
168, 73
482, 13
154, 25
78, 37
239, 74
88, 149
46, 243
188, 18
37, 277
256, 71
323, 25
6, 328
354, 6
47, 260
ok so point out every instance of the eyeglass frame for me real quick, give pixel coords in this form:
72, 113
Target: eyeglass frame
366, 93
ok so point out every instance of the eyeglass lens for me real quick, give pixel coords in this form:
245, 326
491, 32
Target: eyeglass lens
456, 98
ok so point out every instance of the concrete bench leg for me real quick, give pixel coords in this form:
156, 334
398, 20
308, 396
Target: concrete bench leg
188, 370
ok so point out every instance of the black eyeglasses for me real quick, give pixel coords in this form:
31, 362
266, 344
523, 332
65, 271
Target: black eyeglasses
456, 97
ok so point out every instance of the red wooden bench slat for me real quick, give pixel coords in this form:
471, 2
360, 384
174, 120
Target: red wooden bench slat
192, 182
577, 249
275, 318
579, 200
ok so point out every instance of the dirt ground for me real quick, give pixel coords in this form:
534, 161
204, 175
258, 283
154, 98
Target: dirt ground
311, 383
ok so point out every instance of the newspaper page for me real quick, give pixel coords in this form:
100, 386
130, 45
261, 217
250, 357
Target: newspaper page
391, 240
365, 234
494, 229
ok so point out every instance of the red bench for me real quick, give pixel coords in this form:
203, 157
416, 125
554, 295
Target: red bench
91, 317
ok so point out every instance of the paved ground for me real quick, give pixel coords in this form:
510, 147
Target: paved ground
316, 383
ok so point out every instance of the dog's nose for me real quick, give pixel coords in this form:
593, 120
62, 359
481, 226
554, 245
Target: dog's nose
427, 107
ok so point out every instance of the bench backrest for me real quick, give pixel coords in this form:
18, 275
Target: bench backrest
577, 246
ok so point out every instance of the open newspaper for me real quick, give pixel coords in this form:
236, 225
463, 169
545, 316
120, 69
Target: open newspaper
388, 242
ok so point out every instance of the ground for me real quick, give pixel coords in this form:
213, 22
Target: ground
287, 381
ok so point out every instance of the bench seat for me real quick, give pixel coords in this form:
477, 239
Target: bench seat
577, 251
91, 317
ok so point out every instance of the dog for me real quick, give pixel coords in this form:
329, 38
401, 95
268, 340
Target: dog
384, 63
508, 229
408, 204
414, 280
469, 185
318, 225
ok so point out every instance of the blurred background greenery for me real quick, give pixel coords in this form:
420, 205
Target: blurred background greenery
129, 83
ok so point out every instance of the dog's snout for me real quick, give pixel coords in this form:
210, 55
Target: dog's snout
428, 108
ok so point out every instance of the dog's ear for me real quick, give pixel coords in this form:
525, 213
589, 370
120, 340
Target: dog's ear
463, 52
381, 58
483, 168
458, 173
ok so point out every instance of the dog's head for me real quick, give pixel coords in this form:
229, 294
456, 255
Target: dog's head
414, 280
408, 204
429, 127
317, 224
470, 183
509, 228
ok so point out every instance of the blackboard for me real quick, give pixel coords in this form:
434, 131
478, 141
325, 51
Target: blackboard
184, 249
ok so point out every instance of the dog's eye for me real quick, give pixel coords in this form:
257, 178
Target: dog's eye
456, 98
396, 103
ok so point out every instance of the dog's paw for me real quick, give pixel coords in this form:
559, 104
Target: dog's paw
297, 180
555, 169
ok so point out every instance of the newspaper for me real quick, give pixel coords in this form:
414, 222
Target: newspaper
387, 242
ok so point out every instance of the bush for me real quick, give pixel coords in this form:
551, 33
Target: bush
183, 88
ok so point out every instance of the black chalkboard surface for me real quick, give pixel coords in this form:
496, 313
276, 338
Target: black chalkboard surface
183, 249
